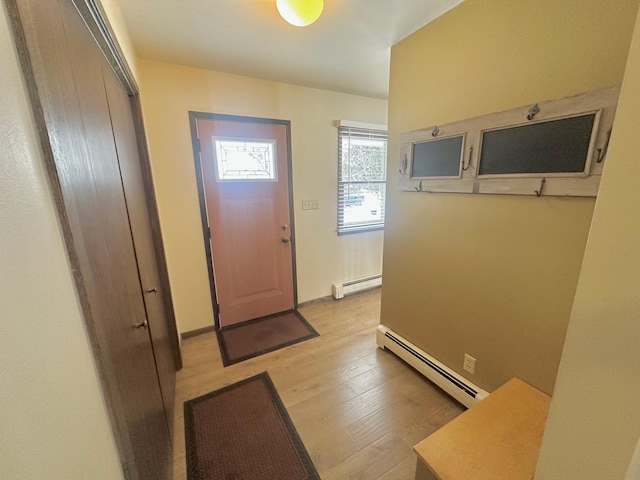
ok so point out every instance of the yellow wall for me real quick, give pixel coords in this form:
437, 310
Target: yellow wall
493, 276
116, 21
594, 421
168, 92
54, 421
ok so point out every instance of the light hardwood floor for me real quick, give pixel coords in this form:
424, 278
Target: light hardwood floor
358, 409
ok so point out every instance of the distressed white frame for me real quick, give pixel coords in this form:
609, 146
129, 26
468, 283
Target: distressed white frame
586, 184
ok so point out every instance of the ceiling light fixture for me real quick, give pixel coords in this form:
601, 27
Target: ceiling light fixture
300, 12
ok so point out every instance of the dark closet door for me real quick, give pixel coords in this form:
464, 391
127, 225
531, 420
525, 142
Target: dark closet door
64, 74
130, 167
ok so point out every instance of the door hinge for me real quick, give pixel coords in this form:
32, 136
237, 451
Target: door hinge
209, 232
197, 140
218, 308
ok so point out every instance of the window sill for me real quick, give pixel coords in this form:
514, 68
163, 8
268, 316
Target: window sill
363, 229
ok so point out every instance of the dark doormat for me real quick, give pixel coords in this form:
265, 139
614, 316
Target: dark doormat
262, 335
243, 432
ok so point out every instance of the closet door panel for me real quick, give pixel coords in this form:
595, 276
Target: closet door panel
132, 354
146, 255
64, 76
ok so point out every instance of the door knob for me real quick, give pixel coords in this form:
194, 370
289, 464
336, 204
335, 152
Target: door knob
151, 290
144, 325
285, 240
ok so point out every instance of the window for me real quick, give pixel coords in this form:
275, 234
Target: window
439, 157
239, 159
362, 167
557, 146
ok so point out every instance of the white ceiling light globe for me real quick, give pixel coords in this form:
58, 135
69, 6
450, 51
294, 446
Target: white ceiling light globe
300, 12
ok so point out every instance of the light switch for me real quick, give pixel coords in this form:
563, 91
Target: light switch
310, 205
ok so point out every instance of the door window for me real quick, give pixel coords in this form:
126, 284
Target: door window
240, 159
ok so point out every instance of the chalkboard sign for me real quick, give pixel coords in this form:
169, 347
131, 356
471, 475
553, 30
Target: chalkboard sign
437, 158
557, 146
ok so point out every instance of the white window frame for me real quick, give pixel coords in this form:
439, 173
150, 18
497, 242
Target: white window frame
360, 130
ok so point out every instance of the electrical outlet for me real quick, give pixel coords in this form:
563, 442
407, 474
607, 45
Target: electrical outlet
310, 205
469, 364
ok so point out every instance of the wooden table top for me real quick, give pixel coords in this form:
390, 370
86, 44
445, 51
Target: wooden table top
499, 438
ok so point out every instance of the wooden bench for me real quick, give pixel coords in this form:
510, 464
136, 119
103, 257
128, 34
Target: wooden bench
497, 439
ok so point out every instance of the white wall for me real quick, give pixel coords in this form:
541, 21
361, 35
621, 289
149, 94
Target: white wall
594, 421
169, 92
53, 421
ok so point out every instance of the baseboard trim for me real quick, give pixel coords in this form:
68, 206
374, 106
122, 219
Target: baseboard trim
315, 301
197, 331
456, 385
329, 298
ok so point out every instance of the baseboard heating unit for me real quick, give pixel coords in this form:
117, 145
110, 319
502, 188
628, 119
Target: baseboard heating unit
339, 290
451, 382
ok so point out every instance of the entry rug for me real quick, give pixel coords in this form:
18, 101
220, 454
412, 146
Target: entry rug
243, 432
256, 337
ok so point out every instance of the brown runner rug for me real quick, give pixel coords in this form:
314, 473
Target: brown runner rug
243, 432
262, 335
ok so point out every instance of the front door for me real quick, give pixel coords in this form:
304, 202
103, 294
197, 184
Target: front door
245, 172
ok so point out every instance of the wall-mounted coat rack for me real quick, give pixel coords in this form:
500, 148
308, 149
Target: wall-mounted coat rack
553, 148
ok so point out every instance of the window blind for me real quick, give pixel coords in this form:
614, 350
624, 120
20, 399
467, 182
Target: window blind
362, 165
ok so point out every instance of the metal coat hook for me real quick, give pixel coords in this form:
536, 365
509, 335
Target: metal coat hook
602, 152
419, 187
435, 131
469, 162
404, 165
533, 111
539, 192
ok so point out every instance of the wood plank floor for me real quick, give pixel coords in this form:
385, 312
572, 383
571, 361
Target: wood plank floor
358, 409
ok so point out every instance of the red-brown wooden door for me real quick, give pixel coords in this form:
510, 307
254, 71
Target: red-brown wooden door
245, 170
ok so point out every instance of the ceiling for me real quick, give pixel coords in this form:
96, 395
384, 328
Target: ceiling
346, 50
